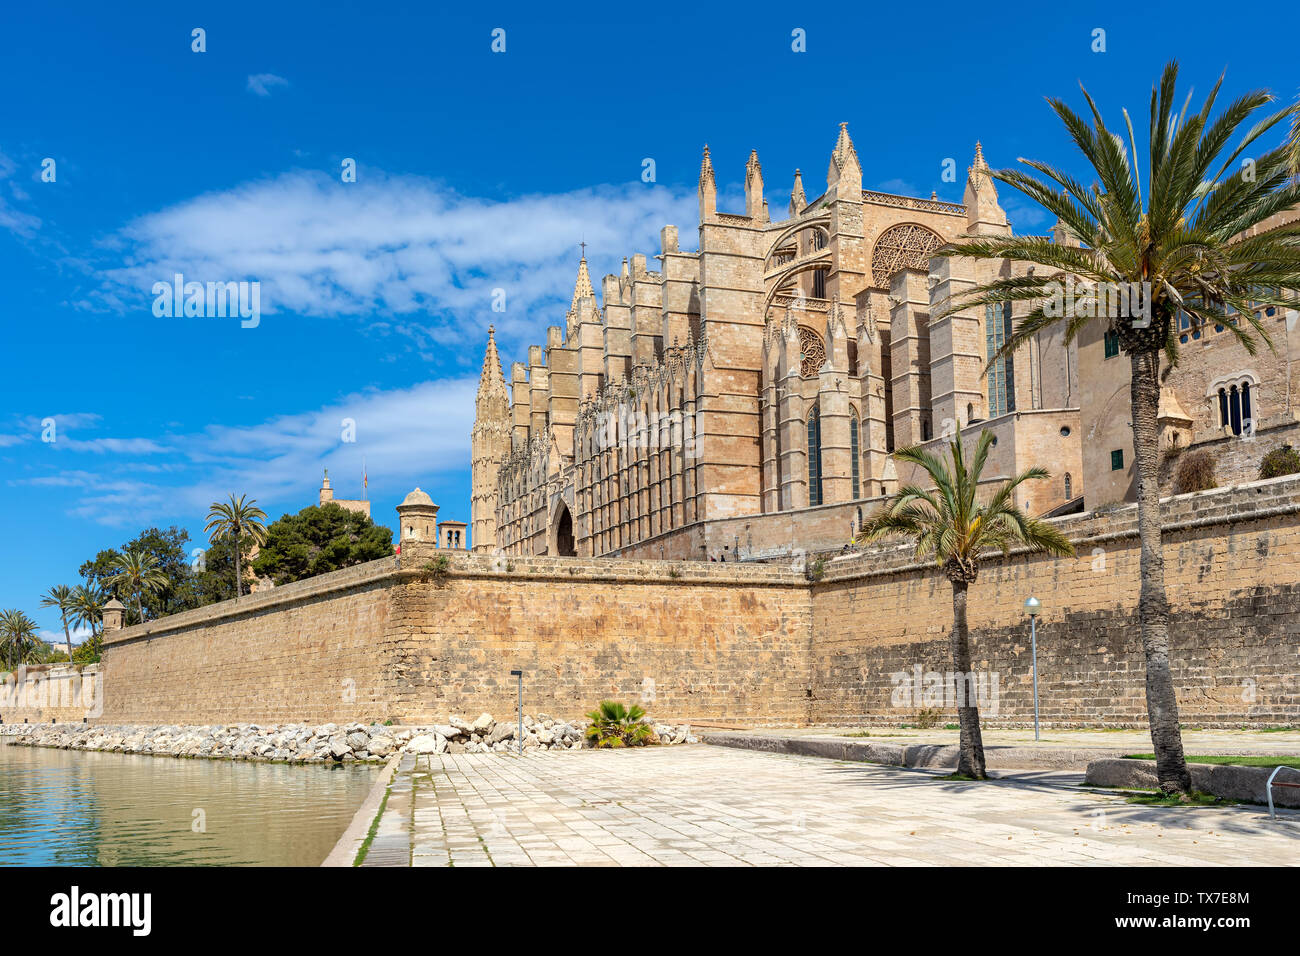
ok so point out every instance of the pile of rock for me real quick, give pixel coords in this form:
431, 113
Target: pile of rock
304, 743
485, 735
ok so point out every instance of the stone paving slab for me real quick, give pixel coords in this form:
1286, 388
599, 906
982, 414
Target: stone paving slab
699, 805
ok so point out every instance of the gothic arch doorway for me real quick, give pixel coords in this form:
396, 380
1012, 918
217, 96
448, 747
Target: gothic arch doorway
562, 542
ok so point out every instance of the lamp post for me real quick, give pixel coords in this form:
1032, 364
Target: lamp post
1032, 607
519, 727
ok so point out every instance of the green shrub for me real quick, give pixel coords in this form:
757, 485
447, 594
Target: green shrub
613, 725
1195, 472
1279, 462
436, 569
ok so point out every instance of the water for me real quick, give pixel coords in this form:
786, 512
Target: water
78, 808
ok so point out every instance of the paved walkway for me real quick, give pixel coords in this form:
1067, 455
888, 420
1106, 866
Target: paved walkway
1121, 741
699, 805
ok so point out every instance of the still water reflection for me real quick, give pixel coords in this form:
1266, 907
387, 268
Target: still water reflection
75, 808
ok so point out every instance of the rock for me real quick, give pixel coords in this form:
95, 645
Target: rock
382, 746
483, 724
358, 740
502, 731
447, 730
427, 744
460, 725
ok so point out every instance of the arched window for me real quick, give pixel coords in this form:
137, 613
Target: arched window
1069, 487
854, 447
1236, 401
814, 457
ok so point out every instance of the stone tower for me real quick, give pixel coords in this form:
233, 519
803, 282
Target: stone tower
419, 519
489, 444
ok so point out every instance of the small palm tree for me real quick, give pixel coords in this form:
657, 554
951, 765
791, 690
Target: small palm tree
139, 573
614, 725
18, 638
61, 596
951, 526
235, 520
88, 610
1186, 243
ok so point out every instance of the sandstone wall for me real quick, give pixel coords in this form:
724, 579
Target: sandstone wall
1231, 560
377, 642
744, 643
50, 692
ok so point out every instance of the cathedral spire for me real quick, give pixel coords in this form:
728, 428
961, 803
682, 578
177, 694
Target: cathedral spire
798, 200
844, 163
491, 382
582, 288
754, 187
984, 216
708, 191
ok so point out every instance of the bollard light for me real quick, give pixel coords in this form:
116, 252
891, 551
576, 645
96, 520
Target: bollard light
1033, 607
519, 727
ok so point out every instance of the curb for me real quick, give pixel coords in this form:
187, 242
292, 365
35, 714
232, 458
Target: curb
345, 850
919, 756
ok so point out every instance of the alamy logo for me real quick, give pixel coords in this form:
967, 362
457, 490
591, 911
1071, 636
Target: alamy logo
922, 688
210, 300
1115, 300
102, 909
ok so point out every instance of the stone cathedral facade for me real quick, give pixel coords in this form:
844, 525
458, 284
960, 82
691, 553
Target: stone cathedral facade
741, 402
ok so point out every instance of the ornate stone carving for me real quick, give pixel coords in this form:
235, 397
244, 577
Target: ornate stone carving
905, 246
812, 351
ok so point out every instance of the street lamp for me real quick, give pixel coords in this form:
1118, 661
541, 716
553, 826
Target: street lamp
519, 728
1032, 607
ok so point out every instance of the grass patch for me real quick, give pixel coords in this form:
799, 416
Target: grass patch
374, 828
1196, 798
1237, 760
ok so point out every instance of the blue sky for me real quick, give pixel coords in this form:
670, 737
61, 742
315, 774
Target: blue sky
475, 170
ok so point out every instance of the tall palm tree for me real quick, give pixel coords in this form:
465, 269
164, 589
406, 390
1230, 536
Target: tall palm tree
952, 527
1181, 236
138, 572
18, 638
235, 520
61, 596
88, 610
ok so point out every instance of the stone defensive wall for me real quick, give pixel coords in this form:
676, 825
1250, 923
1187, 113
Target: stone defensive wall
1232, 575
380, 642
858, 639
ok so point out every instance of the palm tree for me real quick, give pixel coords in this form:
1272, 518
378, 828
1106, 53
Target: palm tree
951, 526
139, 572
1185, 247
88, 610
61, 596
18, 638
234, 520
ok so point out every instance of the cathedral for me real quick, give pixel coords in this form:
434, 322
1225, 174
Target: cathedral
741, 402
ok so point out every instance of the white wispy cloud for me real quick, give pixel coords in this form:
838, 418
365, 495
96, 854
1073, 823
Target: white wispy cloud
12, 218
407, 248
261, 84
406, 436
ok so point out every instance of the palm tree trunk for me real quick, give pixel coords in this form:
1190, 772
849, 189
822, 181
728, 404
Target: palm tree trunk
1153, 606
239, 571
970, 761
67, 637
